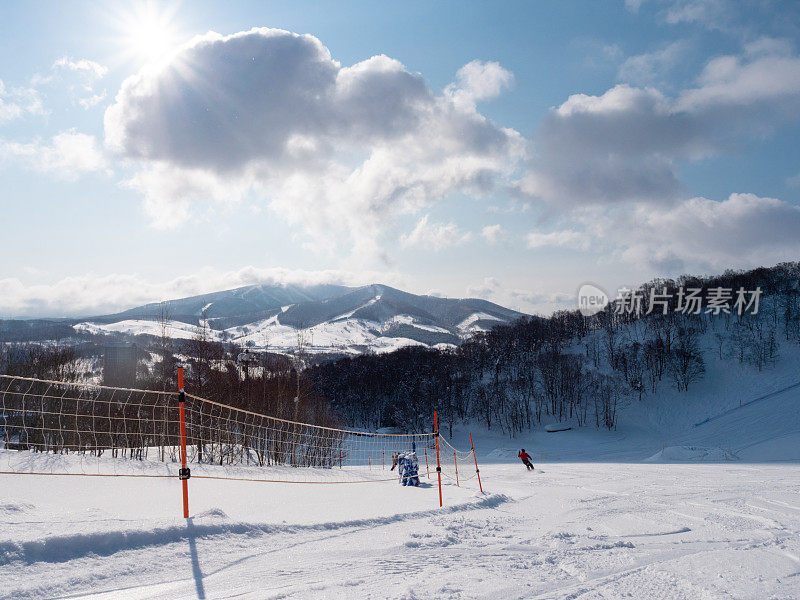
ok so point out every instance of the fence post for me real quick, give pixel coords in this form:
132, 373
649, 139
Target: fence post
184, 473
427, 468
475, 456
438, 464
455, 462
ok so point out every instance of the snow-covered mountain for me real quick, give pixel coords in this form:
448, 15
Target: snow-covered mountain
328, 318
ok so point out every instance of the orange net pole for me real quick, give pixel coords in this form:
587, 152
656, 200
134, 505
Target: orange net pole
184, 475
438, 464
475, 456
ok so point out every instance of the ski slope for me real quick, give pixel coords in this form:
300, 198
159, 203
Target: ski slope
569, 530
756, 431
695, 495
762, 429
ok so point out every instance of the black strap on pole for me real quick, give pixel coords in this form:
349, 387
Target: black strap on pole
184, 472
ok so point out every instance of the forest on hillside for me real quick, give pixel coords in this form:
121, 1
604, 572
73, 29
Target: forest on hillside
567, 366
570, 366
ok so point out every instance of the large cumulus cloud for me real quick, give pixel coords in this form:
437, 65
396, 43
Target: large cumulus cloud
616, 147
697, 234
334, 148
743, 229
627, 144
607, 167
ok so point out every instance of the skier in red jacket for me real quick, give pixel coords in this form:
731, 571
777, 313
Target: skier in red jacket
526, 459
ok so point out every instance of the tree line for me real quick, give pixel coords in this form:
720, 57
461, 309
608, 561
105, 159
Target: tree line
568, 366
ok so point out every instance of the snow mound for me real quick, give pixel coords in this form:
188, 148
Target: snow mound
10, 508
503, 453
558, 427
62, 548
692, 453
213, 513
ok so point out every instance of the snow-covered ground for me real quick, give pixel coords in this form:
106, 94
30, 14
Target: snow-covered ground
334, 319
695, 495
569, 530
348, 336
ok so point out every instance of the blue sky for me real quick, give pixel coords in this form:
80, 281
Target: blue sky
511, 151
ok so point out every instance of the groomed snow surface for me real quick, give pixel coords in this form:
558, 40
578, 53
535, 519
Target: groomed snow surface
693, 496
586, 530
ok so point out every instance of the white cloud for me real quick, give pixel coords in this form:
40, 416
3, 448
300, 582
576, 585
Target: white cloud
493, 233
714, 14
769, 46
486, 290
72, 152
478, 81
566, 238
67, 154
169, 193
93, 100
652, 67
16, 102
740, 19
730, 232
434, 236
625, 144
90, 294
616, 147
688, 235
76, 79
93, 69
728, 81
339, 151
699, 234
523, 300
547, 299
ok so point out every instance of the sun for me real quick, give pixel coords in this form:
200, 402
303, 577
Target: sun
150, 38
148, 32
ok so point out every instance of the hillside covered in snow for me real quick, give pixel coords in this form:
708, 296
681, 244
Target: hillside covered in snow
664, 374
330, 318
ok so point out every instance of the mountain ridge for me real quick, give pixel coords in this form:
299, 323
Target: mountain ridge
341, 318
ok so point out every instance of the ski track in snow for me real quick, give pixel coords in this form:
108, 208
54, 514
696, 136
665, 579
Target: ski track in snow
585, 531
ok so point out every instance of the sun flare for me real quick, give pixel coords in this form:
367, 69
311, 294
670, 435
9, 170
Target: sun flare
148, 32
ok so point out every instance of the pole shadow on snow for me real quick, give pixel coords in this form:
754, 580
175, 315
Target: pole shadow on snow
196, 572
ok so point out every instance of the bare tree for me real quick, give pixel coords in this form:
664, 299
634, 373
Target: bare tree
686, 360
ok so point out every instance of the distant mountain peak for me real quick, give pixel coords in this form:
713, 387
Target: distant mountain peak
374, 317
